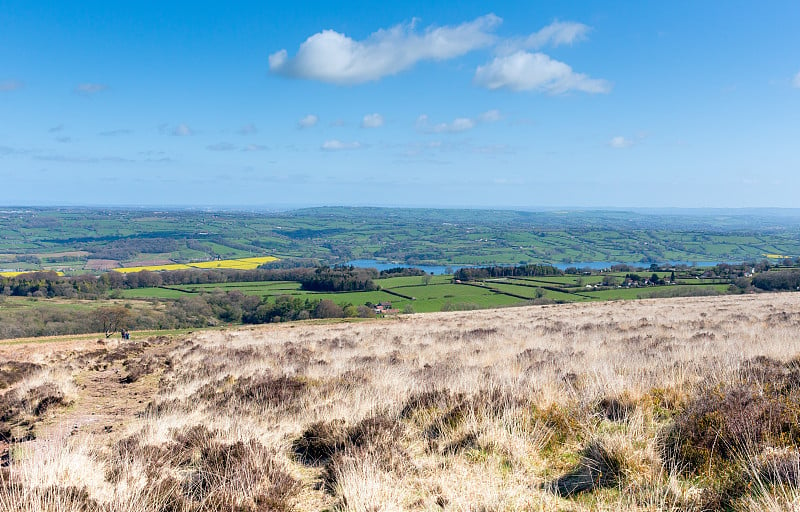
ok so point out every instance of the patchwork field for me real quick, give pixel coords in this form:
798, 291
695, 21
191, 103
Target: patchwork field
238, 264
669, 404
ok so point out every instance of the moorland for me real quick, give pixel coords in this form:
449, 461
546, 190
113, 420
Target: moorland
656, 404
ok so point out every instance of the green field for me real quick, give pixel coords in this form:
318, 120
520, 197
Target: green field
440, 291
427, 298
411, 236
638, 293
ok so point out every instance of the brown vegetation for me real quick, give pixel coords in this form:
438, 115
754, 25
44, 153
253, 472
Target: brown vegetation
676, 404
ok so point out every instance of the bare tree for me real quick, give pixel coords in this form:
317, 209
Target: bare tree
112, 319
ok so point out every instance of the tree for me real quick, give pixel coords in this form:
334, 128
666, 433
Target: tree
609, 280
426, 279
112, 319
365, 312
328, 309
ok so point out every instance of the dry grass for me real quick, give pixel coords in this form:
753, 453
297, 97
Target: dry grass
672, 404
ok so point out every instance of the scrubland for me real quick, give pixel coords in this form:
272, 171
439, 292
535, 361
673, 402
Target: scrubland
671, 404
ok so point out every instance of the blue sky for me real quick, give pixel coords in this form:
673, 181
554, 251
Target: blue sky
501, 104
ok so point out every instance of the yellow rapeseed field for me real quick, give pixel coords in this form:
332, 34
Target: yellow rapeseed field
18, 272
238, 264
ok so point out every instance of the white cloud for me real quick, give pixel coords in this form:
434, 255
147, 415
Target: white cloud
490, 116
90, 88
796, 81
524, 71
308, 121
330, 56
555, 34
182, 130
337, 145
459, 124
620, 142
372, 121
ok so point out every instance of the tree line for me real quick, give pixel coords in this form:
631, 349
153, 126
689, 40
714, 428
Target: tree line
777, 280
193, 311
49, 284
538, 270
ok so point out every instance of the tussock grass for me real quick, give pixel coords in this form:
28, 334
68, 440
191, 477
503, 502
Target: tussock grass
675, 404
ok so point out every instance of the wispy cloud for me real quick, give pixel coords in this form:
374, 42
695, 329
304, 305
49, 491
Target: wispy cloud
11, 85
490, 116
54, 157
221, 146
8, 150
115, 133
332, 57
254, 147
90, 89
555, 34
248, 129
55, 129
372, 121
182, 130
227, 146
425, 151
796, 80
48, 155
459, 124
308, 121
524, 71
620, 142
155, 156
337, 145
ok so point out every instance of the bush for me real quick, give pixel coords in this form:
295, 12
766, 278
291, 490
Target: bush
727, 420
597, 468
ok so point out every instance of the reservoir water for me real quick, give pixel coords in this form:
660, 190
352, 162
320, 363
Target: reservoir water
594, 265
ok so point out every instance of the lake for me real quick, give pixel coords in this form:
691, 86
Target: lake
594, 265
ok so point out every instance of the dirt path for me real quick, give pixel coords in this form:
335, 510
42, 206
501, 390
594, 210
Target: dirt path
104, 403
